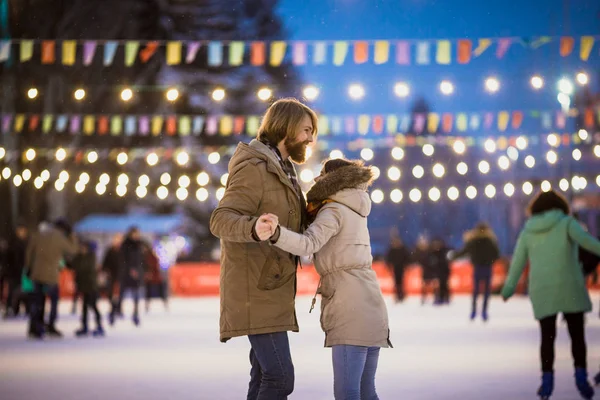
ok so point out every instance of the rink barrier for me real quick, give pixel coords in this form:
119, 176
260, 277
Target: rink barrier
202, 279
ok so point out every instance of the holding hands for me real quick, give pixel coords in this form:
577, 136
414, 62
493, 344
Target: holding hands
266, 225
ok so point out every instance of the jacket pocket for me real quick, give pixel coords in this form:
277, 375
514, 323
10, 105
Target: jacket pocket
271, 276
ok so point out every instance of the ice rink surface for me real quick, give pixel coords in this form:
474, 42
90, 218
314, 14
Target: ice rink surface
438, 354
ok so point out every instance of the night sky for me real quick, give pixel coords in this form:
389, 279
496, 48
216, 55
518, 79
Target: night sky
455, 19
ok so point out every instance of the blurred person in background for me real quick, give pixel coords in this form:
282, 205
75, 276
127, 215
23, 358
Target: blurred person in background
44, 255
13, 270
549, 241
397, 259
481, 246
112, 266
441, 266
132, 273
84, 266
422, 256
153, 280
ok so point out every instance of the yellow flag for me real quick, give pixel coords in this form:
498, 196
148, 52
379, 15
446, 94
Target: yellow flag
277, 53
47, 123
89, 125
382, 51
363, 124
174, 53
461, 122
433, 122
323, 125
69, 48
443, 52
226, 125
116, 125
340, 50
252, 125
26, 50
503, 117
587, 43
482, 46
19, 122
185, 126
236, 53
157, 123
392, 124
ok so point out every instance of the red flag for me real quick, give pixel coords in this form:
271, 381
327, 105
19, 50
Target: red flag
566, 45
378, 124
48, 51
171, 125
34, 122
517, 119
257, 53
148, 51
465, 48
361, 52
103, 125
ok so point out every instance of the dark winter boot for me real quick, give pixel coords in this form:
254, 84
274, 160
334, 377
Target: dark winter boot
136, 320
473, 315
582, 383
484, 316
51, 331
111, 319
545, 391
82, 332
597, 379
99, 332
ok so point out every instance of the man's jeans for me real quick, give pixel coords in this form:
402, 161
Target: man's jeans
272, 373
354, 369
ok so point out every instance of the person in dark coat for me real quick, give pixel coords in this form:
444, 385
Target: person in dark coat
481, 246
153, 280
422, 256
398, 258
132, 274
112, 265
441, 266
86, 279
14, 264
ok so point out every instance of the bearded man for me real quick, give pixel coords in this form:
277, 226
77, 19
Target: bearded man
258, 280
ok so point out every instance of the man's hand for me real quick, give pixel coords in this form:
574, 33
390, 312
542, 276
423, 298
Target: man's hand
265, 226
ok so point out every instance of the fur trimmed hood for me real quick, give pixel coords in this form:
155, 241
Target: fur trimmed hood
349, 177
477, 233
346, 185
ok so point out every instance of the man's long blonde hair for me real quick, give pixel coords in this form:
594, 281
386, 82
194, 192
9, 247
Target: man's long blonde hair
282, 119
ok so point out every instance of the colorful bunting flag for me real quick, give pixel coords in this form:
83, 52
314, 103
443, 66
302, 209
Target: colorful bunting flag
423, 53
157, 123
192, 51
5, 50
174, 53
277, 53
482, 46
226, 125
110, 49
89, 124
26, 50
185, 125
131, 50
215, 54
363, 124
299, 53
443, 54
148, 51
361, 52
144, 123
392, 124
340, 49
403, 52
89, 49
587, 43
503, 45
433, 121
320, 53
257, 56
323, 125
198, 125
566, 45
47, 123
48, 51
382, 52
236, 53
69, 49
465, 48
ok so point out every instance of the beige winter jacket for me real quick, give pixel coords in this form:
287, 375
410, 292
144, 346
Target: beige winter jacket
258, 281
353, 311
45, 251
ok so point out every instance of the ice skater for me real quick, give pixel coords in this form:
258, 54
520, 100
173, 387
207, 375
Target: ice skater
84, 265
353, 312
549, 242
258, 281
481, 246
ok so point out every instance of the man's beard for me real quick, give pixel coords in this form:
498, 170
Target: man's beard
297, 151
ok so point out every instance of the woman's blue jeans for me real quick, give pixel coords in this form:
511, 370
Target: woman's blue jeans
354, 369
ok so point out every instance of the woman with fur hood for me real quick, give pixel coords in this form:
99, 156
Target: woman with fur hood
481, 246
353, 311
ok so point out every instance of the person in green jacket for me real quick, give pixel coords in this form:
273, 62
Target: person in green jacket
549, 241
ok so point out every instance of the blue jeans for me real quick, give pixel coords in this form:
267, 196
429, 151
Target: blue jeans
354, 369
481, 274
272, 373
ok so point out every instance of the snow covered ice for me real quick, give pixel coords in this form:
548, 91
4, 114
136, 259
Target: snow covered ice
438, 354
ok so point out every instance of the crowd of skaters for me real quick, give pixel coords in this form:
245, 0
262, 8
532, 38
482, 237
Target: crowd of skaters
31, 263
434, 258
